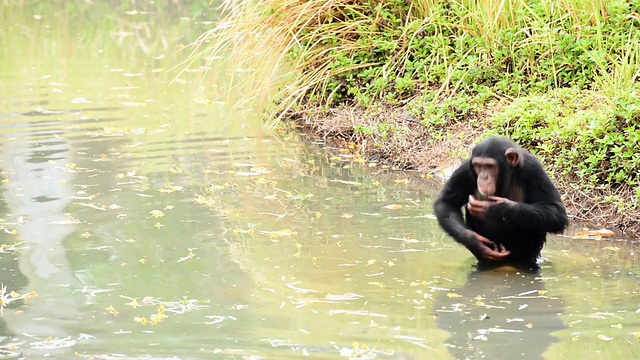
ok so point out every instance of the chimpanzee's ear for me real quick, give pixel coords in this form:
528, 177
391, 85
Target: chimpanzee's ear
513, 156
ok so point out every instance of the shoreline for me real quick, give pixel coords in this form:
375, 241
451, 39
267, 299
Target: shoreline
403, 143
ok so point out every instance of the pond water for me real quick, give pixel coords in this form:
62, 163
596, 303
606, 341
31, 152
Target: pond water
144, 218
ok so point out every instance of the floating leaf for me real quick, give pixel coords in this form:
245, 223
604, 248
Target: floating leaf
343, 297
92, 206
604, 337
68, 221
593, 234
156, 213
190, 256
393, 207
354, 183
112, 310
171, 189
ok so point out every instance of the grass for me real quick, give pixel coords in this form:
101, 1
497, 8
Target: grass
560, 77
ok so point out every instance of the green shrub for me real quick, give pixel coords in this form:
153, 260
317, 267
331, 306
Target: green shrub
579, 132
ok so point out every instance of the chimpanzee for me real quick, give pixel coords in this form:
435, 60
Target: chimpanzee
511, 204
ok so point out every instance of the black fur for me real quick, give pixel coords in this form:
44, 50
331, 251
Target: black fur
520, 227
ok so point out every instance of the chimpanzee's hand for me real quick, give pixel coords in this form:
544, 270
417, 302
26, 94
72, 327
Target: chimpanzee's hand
485, 249
501, 200
479, 207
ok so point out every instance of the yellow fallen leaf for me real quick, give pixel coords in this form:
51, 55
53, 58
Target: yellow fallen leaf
156, 213
594, 233
112, 310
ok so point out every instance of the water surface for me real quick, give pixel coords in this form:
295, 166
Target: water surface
151, 219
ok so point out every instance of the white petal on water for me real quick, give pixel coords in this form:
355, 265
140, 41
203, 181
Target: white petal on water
299, 289
343, 297
359, 313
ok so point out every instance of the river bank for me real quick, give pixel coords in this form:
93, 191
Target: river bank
414, 84
403, 143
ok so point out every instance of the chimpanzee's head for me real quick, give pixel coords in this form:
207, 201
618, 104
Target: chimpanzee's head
492, 164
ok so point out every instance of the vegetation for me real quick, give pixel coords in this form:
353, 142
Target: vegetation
560, 77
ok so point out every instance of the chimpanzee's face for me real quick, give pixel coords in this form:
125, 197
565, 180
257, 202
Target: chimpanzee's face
488, 173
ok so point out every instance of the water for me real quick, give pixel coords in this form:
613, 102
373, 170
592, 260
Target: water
151, 220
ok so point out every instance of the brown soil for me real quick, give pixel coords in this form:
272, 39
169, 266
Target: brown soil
411, 146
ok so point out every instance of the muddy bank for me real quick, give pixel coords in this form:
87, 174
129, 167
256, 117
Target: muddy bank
392, 136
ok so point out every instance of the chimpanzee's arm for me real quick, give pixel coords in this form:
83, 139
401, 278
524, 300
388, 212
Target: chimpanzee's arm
542, 209
450, 202
547, 217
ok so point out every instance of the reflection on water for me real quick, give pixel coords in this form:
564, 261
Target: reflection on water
500, 311
157, 222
